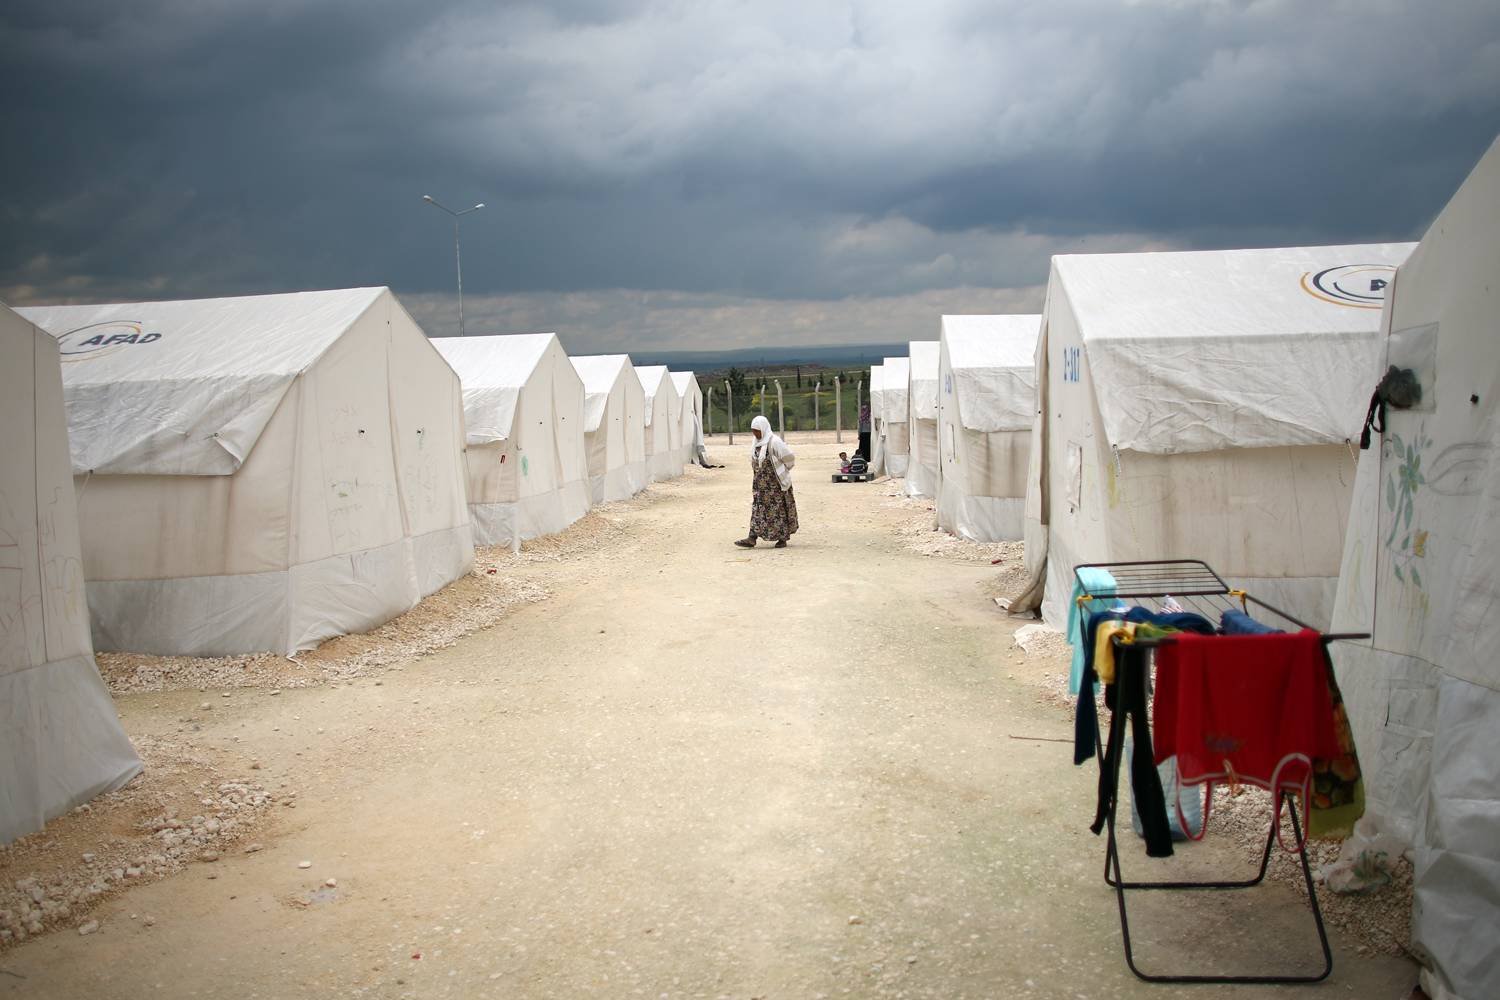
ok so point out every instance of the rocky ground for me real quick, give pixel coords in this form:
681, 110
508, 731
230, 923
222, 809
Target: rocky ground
690, 771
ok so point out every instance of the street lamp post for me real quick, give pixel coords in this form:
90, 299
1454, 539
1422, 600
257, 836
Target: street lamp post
458, 261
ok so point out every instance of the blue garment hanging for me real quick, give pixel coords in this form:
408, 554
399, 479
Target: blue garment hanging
1089, 580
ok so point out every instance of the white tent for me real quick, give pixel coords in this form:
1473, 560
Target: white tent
690, 397
895, 425
663, 427
877, 419
259, 473
614, 424
1200, 405
986, 406
924, 468
1421, 572
528, 472
60, 739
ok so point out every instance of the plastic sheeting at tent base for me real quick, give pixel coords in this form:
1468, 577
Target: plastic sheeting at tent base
530, 517
981, 519
620, 483
281, 610
60, 744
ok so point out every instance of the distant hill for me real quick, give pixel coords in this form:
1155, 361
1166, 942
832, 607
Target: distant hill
851, 355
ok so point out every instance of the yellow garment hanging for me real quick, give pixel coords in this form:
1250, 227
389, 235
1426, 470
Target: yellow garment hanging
1104, 648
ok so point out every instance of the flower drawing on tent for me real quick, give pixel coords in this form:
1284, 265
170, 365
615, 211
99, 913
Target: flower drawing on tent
1406, 543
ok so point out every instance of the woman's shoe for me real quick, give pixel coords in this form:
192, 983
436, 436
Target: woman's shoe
745, 543
781, 544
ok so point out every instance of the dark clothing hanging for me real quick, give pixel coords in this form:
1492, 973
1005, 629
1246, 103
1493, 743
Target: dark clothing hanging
1127, 698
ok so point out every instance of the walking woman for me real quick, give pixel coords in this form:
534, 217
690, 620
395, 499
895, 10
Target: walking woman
773, 509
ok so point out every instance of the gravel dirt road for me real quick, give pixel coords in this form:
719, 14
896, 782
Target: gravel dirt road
693, 771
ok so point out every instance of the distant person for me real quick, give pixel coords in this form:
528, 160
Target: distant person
857, 465
843, 461
864, 429
773, 509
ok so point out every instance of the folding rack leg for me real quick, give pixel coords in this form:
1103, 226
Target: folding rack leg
1113, 877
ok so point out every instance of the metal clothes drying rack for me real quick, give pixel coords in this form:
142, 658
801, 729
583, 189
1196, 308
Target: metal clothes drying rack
1195, 586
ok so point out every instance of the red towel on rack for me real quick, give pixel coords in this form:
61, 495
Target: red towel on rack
1252, 708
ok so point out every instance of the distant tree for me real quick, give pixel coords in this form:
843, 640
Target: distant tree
799, 376
736, 380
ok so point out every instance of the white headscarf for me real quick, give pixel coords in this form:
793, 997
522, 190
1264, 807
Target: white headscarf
772, 447
760, 446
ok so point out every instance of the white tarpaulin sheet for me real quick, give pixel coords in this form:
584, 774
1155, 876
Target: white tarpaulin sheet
690, 401
992, 359
60, 739
1207, 350
663, 432
614, 423
1421, 571
185, 388
524, 406
986, 406
924, 466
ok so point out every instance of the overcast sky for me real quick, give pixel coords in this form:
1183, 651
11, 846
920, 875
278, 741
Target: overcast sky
701, 174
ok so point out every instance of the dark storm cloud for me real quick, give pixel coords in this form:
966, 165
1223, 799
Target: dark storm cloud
779, 151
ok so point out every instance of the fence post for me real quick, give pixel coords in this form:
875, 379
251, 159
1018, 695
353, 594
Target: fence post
838, 411
780, 412
729, 394
762, 399
816, 389
708, 414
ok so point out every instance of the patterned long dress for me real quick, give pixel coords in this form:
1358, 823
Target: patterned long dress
773, 511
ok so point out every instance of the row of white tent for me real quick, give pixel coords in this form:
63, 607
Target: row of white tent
1209, 405
266, 472
261, 473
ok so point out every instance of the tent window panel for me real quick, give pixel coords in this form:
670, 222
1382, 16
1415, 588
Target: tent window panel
1075, 476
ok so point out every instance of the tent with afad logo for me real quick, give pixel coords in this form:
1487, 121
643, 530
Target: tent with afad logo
261, 472
60, 739
1421, 574
924, 466
663, 423
528, 472
1203, 405
986, 406
613, 425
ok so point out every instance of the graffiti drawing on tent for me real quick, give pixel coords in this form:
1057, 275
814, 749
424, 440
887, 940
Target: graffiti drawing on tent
923, 467
614, 426
1203, 405
1421, 573
663, 423
259, 473
523, 404
61, 742
895, 414
690, 398
986, 406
